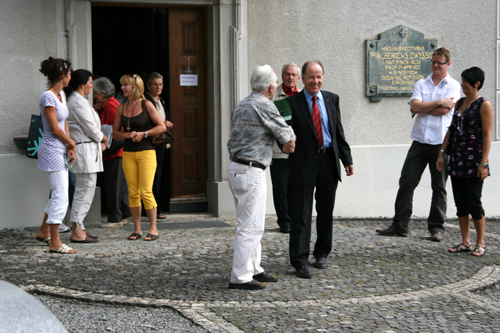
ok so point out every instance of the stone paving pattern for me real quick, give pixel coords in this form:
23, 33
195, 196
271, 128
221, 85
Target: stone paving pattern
373, 283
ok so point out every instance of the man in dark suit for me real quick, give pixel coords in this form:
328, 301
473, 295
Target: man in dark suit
315, 164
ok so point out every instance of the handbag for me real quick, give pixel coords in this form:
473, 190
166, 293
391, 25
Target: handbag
165, 137
35, 136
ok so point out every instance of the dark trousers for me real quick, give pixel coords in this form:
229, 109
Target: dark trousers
114, 190
160, 155
467, 194
323, 177
280, 177
419, 157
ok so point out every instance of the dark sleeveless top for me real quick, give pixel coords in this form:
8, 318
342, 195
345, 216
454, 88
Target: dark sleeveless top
138, 123
466, 141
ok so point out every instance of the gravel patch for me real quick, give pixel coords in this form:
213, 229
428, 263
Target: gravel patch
78, 316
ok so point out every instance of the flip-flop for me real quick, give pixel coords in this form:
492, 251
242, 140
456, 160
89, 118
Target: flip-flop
64, 249
136, 235
86, 240
94, 237
43, 240
151, 237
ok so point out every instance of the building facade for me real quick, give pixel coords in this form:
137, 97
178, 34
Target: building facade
220, 42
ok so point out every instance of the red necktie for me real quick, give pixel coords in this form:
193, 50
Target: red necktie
317, 122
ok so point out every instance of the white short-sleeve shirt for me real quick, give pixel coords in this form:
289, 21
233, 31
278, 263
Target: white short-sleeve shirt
430, 129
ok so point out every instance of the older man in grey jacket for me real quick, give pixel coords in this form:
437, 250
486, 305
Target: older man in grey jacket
256, 124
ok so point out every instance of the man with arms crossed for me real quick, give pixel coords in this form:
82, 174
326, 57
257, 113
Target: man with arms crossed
432, 101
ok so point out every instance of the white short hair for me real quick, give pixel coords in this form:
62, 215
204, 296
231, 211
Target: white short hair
262, 78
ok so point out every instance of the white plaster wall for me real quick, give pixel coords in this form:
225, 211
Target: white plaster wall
27, 37
334, 31
282, 31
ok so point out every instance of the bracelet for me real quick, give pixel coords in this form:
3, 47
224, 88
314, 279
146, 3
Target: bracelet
441, 151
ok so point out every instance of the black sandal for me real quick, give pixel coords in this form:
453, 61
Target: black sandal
136, 235
479, 250
460, 248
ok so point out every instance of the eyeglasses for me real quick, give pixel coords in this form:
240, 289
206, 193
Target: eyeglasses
134, 76
438, 63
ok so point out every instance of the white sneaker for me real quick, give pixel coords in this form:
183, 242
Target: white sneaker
64, 228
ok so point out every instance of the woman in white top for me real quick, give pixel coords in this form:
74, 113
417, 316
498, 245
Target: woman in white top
57, 151
85, 128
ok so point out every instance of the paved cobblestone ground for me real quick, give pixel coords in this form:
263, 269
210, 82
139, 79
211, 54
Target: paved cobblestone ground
373, 283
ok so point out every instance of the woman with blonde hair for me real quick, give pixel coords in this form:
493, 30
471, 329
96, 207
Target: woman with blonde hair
136, 121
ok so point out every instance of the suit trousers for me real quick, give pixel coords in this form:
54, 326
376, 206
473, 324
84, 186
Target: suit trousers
82, 199
323, 177
248, 185
419, 157
114, 185
280, 175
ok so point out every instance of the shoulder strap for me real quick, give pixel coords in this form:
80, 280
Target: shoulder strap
145, 111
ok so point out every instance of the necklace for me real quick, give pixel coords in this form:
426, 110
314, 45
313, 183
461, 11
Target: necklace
127, 128
461, 115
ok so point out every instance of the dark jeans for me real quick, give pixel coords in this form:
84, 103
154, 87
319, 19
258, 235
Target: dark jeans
279, 176
467, 194
419, 157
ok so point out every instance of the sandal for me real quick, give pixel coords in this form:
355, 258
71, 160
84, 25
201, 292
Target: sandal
151, 237
44, 240
136, 235
89, 235
64, 249
160, 217
479, 251
460, 248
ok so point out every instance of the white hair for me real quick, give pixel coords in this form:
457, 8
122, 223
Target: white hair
262, 78
283, 69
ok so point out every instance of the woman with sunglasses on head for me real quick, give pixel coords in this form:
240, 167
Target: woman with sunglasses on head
136, 121
469, 138
57, 151
85, 129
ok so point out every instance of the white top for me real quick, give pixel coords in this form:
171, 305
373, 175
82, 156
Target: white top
427, 128
52, 151
161, 110
85, 129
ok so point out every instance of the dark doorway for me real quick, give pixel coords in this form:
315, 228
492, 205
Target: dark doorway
140, 39
130, 40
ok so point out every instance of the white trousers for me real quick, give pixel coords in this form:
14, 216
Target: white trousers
82, 199
58, 203
248, 185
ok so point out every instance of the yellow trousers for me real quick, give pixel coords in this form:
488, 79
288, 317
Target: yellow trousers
139, 168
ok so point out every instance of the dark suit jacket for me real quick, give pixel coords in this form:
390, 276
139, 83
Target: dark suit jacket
306, 146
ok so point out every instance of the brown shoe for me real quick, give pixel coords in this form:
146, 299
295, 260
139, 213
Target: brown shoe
436, 237
390, 232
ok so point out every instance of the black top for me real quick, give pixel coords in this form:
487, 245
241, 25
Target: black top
138, 123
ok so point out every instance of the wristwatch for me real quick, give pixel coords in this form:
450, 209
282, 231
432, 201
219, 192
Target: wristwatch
485, 165
145, 134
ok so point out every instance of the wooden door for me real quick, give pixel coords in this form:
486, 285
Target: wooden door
188, 104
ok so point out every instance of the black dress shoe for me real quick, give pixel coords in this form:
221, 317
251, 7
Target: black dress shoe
390, 232
303, 272
285, 229
321, 263
265, 277
252, 285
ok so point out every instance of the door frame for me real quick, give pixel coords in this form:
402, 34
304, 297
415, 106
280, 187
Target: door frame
227, 47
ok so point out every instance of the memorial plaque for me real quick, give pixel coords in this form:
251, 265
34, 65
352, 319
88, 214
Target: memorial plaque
396, 61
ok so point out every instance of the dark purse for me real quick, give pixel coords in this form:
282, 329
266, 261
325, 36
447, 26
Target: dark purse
165, 137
